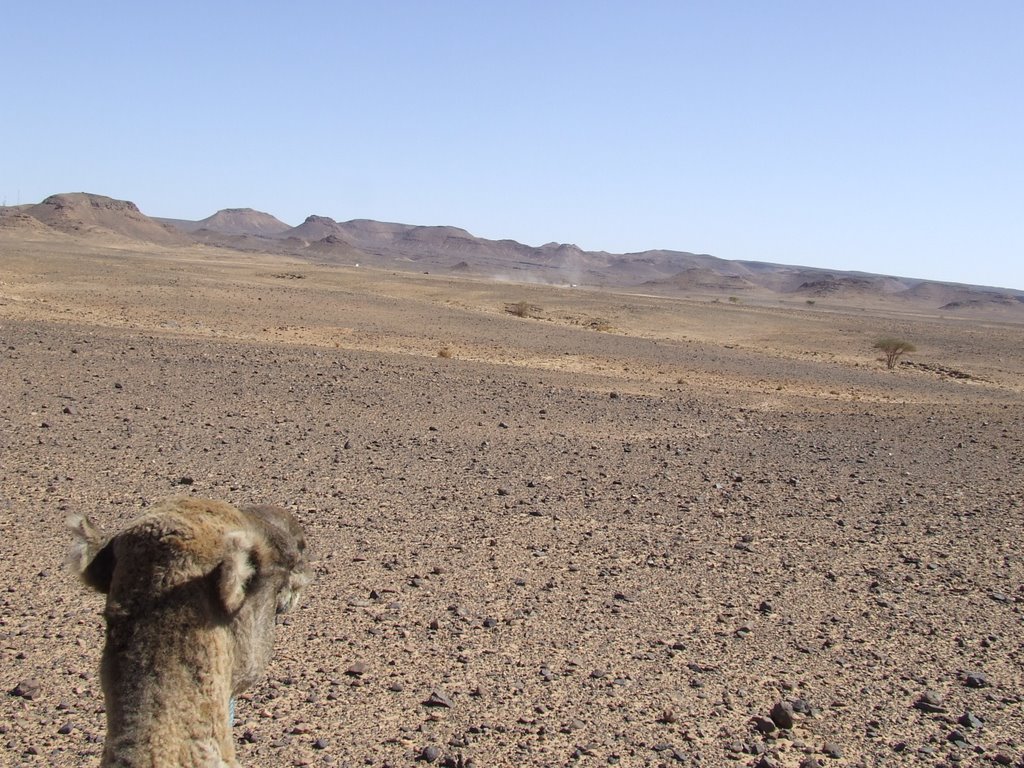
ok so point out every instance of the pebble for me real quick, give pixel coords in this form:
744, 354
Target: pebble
976, 680
358, 669
438, 698
26, 689
833, 750
430, 754
930, 701
969, 720
958, 738
802, 706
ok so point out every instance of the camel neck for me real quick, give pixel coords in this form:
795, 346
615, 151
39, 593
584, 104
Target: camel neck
169, 706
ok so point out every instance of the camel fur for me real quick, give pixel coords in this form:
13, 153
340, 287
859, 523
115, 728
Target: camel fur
193, 588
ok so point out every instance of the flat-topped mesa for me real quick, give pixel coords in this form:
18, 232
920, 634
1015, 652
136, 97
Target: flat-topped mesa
193, 588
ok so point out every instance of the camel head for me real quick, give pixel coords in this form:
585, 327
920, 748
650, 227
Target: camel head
193, 591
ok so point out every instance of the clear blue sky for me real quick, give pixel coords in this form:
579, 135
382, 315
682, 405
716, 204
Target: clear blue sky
880, 136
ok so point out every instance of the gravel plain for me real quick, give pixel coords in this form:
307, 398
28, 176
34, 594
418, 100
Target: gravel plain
703, 535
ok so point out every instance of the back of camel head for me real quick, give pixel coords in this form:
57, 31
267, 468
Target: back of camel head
193, 589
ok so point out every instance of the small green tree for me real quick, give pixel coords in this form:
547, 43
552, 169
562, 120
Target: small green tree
893, 349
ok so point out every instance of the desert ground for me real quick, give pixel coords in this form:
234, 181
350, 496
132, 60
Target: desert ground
621, 529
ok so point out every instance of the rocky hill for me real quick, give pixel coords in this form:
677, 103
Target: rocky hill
83, 213
450, 249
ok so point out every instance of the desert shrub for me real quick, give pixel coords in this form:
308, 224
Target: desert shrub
522, 309
734, 300
893, 349
446, 353
810, 302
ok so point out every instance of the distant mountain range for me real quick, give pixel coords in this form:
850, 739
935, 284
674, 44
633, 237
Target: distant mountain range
451, 250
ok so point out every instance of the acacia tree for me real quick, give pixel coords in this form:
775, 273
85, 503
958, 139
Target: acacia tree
893, 349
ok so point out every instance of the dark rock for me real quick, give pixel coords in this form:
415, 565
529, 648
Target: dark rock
438, 698
430, 754
969, 720
762, 724
958, 738
801, 706
977, 680
26, 689
782, 714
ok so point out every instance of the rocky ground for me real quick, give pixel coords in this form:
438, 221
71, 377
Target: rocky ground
704, 535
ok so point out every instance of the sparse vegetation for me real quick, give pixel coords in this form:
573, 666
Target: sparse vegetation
522, 309
810, 302
893, 349
446, 352
734, 300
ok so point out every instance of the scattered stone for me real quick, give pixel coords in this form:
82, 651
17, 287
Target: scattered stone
762, 724
438, 698
930, 701
976, 680
430, 754
782, 714
320, 744
957, 737
358, 669
801, 706
26, 689
969, 720
833, 750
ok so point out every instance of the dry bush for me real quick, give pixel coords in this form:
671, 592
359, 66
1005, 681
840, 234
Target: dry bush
446, 352
522, 309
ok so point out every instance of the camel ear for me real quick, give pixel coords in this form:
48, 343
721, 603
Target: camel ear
91, 557
236, 569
